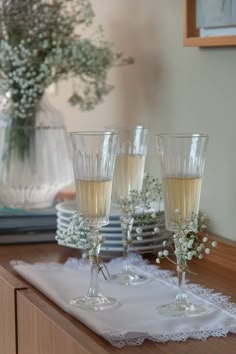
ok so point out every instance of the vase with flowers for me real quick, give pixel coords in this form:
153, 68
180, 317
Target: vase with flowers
41, 44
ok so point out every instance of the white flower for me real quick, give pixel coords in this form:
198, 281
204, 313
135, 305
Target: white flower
214, 244
139, 238
158, 260
205, 239
160, 254
100, 238
84, 255
156, 230
185, 247
189, 256
139, 230
165, 253
207, 251
164, 243
200, 256
190, 244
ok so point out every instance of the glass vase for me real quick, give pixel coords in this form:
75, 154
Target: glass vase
35, 162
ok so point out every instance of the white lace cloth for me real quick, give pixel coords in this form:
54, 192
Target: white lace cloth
137, 318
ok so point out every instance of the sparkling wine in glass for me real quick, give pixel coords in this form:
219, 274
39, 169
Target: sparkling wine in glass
182, 158
128, 176
93, 160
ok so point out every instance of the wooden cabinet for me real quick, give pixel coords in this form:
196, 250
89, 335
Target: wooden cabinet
31, 324
43, 330
8, 327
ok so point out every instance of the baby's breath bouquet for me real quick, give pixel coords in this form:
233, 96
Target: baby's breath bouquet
190, 242
138, 205
78, 235
41, 43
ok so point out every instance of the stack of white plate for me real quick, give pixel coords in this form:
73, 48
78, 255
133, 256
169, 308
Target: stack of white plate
112, 246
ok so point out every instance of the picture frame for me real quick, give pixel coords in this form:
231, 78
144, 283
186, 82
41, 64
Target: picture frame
191, 34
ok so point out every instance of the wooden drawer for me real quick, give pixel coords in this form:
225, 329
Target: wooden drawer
43, 329
8, 287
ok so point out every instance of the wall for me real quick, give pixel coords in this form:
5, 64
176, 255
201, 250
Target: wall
170, 89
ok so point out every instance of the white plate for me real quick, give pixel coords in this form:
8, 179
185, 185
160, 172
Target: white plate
68, 208
104, 229
106, 249
132, 248
113, 235
109, 229
107, 255
143, 242
116, 245
118, 242
113, 223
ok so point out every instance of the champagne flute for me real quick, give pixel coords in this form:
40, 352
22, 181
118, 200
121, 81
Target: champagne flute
93, 160
128, 176
182, 159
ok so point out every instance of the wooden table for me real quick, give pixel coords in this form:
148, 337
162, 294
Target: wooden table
32, 324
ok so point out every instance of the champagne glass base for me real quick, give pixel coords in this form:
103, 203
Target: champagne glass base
96, 303
129, 277
182, 310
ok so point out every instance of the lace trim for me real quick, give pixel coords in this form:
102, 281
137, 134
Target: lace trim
119, 340
218, 299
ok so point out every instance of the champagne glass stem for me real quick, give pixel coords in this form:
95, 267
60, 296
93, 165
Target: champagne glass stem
94, 300
94, 251
126, 226
93, 287
181, 297
127, 276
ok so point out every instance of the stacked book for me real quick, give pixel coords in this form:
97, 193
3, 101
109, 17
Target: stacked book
20, 226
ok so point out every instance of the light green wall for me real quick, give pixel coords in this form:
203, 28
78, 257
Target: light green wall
171, 88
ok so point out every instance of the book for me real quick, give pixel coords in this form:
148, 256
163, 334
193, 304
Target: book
18, 220
27, 237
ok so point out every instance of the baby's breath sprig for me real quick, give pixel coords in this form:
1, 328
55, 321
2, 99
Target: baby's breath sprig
151, 192
128, 205
78, 235
142, 201
191, 241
